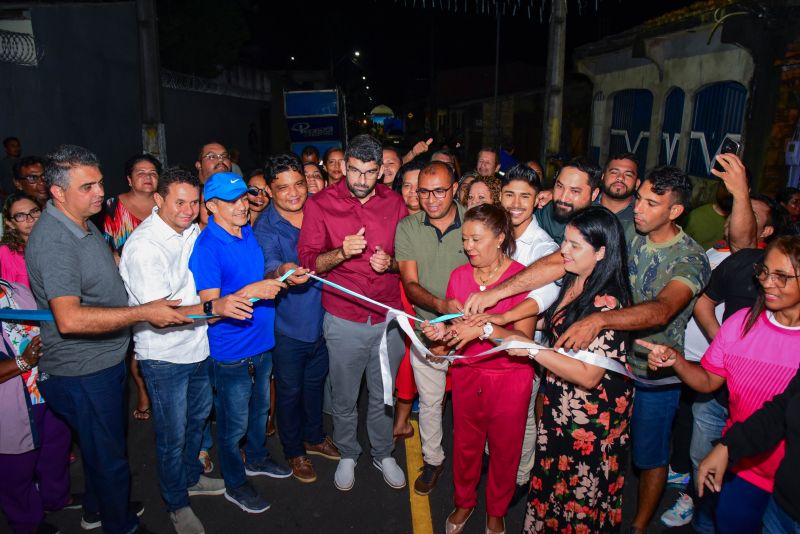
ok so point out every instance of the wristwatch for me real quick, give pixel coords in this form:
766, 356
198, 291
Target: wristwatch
208, 307
488, 328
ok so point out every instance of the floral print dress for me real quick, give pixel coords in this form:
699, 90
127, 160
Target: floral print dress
582, 446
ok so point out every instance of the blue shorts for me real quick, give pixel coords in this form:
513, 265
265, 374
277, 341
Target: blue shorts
651, 426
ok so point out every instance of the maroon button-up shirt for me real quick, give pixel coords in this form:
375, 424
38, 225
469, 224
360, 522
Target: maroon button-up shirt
331, 215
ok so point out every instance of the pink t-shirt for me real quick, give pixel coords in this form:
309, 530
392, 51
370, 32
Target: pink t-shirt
461, 284
12, 266
756, 368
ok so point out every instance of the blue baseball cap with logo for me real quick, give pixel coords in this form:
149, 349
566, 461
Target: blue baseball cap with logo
227, 186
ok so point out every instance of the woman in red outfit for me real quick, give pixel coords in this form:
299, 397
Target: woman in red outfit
490, 395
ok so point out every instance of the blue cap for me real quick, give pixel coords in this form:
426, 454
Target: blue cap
227, 186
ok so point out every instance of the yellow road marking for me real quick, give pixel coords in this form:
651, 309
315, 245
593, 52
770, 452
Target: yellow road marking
420, 506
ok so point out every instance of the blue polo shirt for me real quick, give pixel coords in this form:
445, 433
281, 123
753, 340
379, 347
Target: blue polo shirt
299, 310
221, 260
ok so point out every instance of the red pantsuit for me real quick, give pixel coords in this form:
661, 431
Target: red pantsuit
493, 405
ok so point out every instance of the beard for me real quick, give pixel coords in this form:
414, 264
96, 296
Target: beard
361, 193
610, 192
562, 211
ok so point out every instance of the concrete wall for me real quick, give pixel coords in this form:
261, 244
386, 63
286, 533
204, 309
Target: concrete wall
85, 90
192, 119
680, 60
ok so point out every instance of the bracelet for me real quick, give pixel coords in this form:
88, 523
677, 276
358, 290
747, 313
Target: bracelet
22, 364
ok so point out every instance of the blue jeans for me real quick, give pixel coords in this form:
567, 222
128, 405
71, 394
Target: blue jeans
300, 369
741, 506
180, 397
651, 426
242, 404
777, 521
709, 420
95, 407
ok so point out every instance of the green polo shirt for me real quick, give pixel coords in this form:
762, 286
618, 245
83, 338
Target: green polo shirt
436, 253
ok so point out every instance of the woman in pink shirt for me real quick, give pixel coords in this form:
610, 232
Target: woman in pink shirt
491, 394
755, 353
20, 213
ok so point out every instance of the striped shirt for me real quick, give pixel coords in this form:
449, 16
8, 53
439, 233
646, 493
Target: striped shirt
756, 368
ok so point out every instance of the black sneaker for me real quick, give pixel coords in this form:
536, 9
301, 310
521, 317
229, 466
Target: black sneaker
91, 520
75, 502
246, 498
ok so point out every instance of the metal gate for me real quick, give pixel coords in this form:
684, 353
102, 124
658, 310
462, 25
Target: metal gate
630, 123
671, 128
718, 112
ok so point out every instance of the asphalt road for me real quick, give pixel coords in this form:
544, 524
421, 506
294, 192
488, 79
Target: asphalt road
370, 507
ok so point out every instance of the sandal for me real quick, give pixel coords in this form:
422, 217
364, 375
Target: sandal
142, 415
205, 461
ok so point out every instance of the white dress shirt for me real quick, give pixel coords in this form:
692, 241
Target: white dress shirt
533, 244
155, 265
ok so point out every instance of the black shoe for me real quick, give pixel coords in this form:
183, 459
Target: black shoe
91, 520
75, 502
520, 493
47, 528
427, 480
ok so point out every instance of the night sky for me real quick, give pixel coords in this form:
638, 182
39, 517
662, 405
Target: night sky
397, 38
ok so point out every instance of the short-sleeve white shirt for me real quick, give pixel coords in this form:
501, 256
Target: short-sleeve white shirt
532, 245
155, 265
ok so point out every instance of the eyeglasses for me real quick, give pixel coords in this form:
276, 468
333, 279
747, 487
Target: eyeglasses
252, 190
217, 157
22, 216
438, 192
763, 274
355, 173
33, 178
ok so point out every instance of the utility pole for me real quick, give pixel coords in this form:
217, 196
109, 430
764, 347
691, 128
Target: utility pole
153, 134
497, 78
554, 85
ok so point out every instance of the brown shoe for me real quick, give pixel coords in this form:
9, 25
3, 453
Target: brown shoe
326, 449
427, 480
302, 469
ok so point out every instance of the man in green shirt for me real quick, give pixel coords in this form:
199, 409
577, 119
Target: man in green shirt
667, 270
427, 248
577, 186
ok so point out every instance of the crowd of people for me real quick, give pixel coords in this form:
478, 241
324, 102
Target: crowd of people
647, 333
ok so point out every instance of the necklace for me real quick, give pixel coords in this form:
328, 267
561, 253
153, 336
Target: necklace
488, 277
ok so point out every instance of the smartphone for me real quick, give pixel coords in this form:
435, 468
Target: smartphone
729, 146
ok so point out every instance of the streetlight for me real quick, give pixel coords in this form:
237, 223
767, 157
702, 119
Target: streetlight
363, 77
357, 53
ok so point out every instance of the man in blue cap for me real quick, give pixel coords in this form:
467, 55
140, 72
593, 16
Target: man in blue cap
228, 259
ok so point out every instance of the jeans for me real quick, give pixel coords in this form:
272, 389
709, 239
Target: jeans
180, 398
741, 506
777, 521
300, 369
94, 406
242, 404
709, 420
651, 426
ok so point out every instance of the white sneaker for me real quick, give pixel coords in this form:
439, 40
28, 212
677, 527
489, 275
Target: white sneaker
345, 475
392, 473
681, 512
